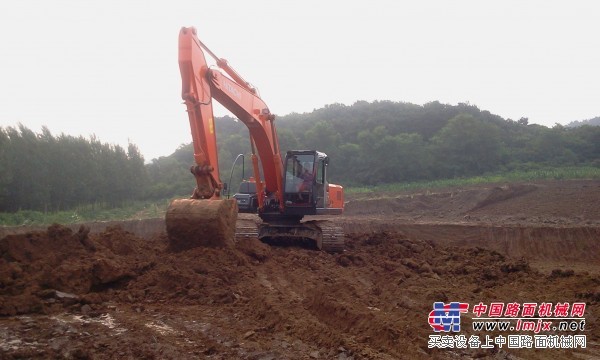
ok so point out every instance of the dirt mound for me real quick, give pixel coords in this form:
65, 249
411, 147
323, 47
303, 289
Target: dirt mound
45, 270
251, 300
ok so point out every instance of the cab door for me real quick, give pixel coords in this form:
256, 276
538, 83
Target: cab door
300, 183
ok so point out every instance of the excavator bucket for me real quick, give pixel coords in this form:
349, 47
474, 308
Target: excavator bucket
192, 223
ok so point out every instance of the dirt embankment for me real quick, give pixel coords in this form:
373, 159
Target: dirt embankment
549, 203
145, 228
43, 270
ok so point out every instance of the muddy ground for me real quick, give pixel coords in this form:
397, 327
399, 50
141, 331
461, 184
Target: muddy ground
104, 291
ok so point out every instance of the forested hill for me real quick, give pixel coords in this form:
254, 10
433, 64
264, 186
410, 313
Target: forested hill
593, 122
385, 142
368, 143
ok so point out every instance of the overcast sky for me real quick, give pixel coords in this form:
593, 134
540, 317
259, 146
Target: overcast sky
110, 67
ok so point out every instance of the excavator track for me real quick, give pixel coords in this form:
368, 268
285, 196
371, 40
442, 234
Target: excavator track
246, 232
322, 235
332, 237
246, 227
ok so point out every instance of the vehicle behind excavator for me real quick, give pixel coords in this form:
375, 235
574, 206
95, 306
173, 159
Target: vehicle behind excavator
246, 197
284, 190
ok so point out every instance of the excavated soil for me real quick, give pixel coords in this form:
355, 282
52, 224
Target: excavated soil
104, 291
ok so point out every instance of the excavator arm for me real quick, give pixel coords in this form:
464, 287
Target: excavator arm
207, 219
200, 85
197, 97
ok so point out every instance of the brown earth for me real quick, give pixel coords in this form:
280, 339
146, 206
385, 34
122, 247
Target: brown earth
118, 291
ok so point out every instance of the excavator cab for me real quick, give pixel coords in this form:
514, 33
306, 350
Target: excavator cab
306, 191
305, 183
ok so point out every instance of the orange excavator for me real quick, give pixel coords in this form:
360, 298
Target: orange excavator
287, 189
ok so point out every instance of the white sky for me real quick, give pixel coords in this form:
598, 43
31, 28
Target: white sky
110, 67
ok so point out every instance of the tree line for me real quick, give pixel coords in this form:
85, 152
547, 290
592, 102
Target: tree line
40, 171
368, 144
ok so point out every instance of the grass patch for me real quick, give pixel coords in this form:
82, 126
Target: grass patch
87, 213
562, 173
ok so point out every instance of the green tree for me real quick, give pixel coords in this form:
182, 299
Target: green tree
322, 136
467, 146
5, 168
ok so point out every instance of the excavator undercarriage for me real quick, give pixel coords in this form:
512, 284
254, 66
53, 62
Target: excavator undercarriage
316, 234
